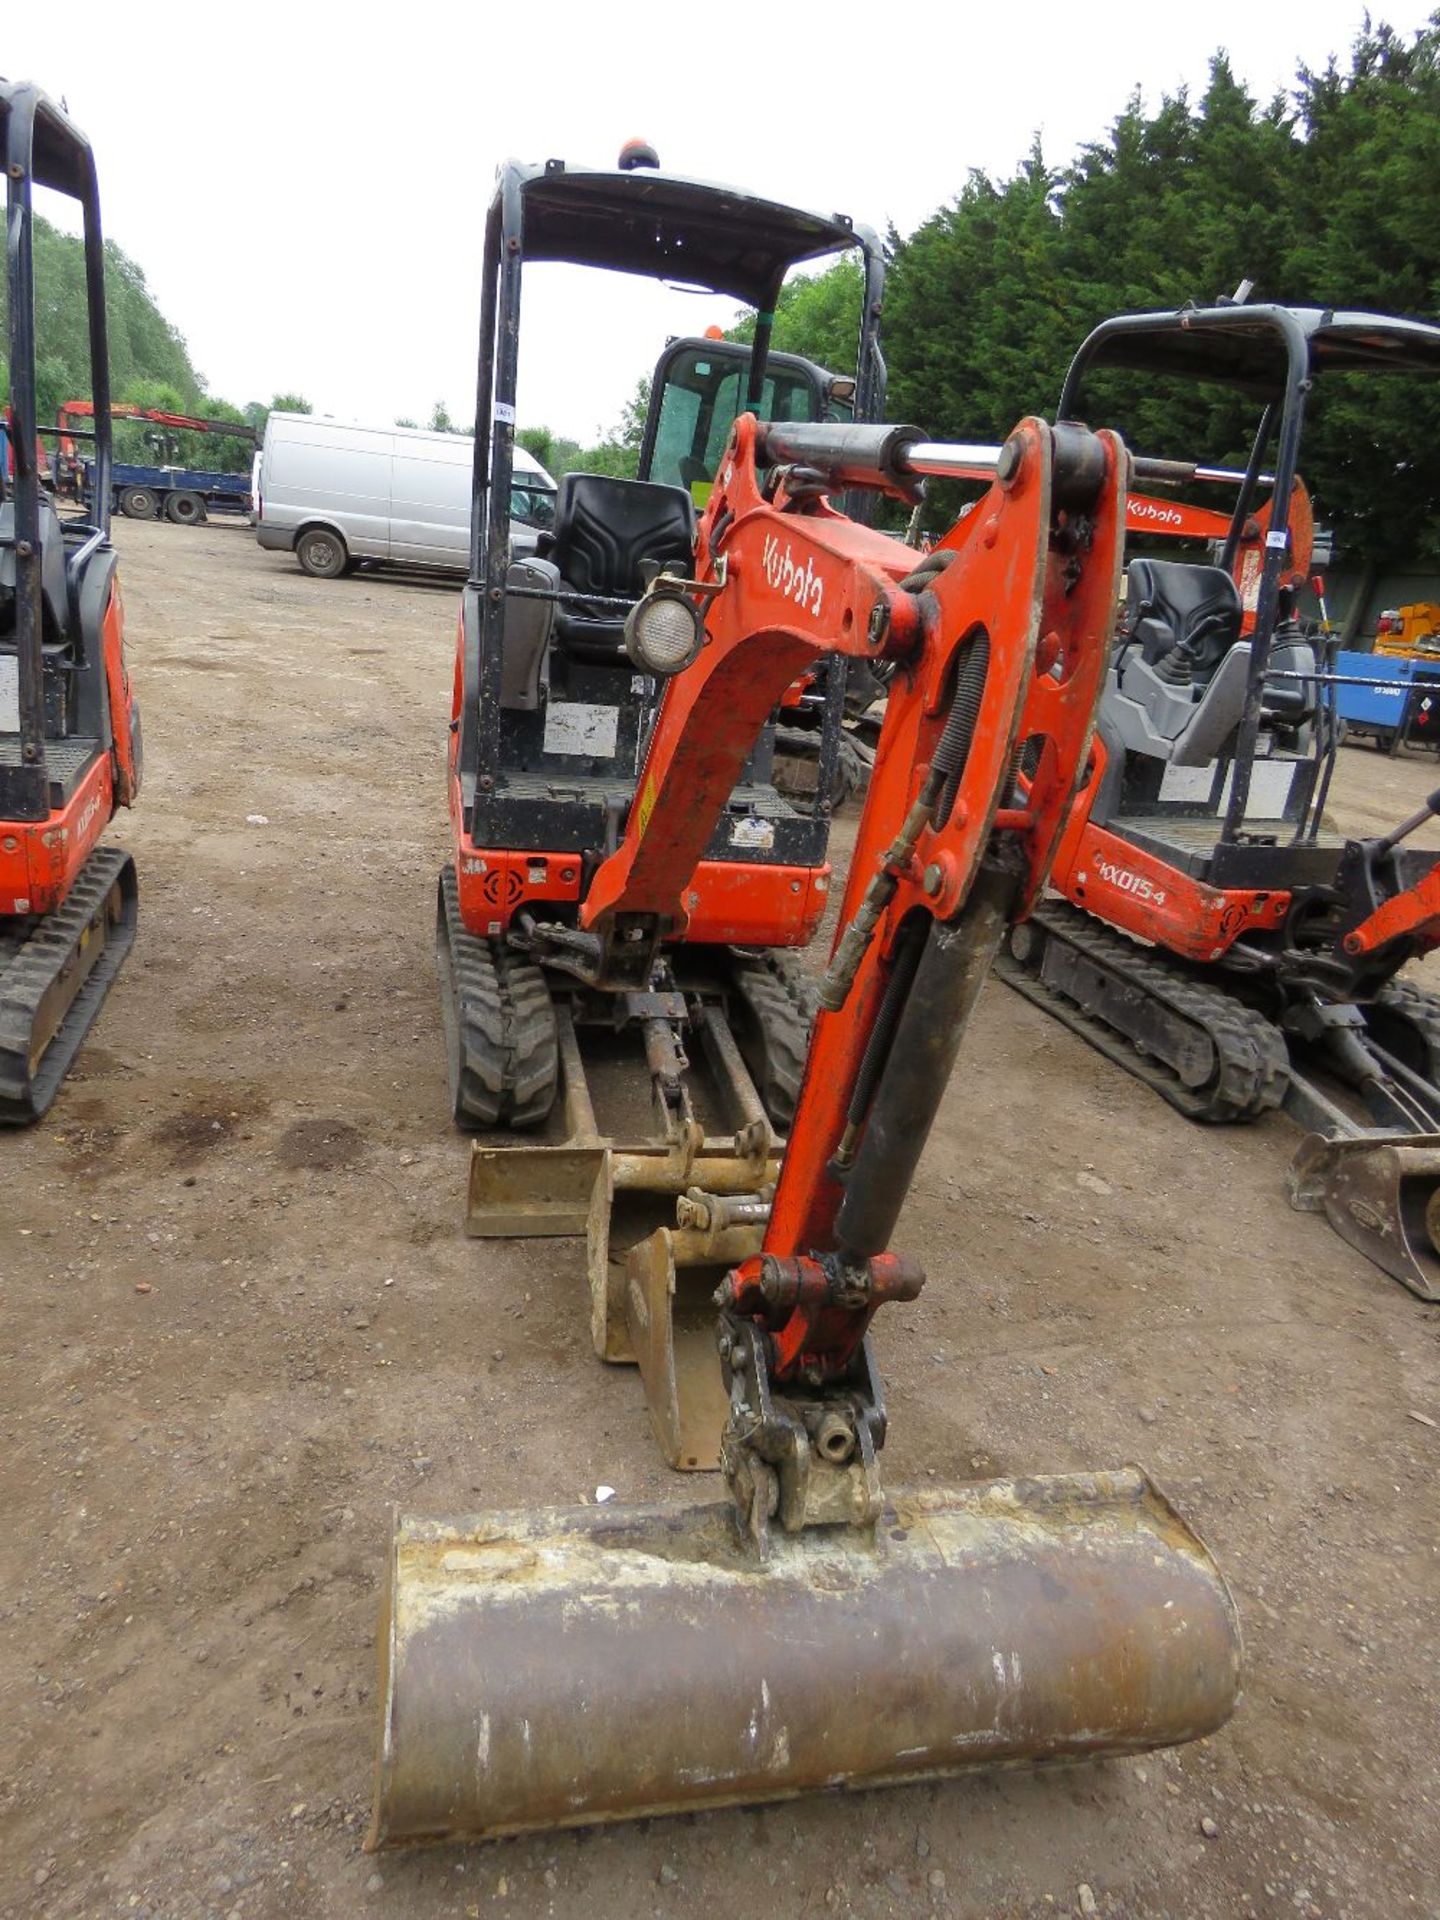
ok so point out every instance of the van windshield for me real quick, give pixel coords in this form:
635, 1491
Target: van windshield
532, 502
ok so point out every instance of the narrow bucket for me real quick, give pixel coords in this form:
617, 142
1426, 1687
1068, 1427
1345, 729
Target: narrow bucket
557, 1669
1381, 1192
670, 1282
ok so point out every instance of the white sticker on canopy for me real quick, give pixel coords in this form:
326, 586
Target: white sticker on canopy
571, 727
9, 693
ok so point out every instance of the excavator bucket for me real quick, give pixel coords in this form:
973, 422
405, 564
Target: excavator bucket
1381, 1192
560, 1669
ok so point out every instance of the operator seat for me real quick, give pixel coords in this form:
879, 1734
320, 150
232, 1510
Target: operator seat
1184, 696
1172, 606
54, 599
604, 529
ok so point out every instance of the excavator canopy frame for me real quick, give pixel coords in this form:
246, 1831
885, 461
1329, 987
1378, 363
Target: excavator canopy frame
659, 226
1274, 353
43, 147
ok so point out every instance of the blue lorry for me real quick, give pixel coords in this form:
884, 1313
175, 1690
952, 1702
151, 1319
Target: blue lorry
182, 494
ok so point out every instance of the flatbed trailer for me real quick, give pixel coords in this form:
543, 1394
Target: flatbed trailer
185, 495
148, 491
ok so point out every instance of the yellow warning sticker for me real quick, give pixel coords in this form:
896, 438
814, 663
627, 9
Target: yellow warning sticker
646, 807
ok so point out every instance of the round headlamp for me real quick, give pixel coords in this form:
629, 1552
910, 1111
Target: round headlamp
664, 632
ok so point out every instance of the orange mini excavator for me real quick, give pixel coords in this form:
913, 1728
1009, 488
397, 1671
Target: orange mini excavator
1216, 935
69, 725
814, 1627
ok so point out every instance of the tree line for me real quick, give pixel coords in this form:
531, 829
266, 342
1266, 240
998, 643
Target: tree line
1323, 195
150, 365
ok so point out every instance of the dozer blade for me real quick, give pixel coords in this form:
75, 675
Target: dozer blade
535, 1192
558, 1669
1381, 1192
54, 979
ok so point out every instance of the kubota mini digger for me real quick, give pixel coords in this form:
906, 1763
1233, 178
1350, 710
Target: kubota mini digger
69, 723
1272, 944
624, 882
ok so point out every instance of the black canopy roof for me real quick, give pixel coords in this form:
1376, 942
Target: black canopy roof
669, 228
37, 135
1249, 346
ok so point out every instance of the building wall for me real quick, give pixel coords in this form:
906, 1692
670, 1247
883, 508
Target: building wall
1343, 584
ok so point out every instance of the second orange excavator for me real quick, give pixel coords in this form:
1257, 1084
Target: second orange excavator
1217, 936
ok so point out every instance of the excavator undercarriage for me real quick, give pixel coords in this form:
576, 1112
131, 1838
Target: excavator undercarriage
55, 972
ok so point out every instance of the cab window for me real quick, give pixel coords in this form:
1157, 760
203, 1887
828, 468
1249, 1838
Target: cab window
704, 391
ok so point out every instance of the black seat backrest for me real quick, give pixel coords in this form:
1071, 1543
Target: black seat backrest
604, 528
55, 616
1170, 601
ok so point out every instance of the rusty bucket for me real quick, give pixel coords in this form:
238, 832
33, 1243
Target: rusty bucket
1381, 1192
557, 1669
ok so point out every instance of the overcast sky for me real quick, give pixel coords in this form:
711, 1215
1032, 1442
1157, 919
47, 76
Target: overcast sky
305, 186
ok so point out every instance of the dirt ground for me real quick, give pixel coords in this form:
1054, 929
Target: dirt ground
241, 1321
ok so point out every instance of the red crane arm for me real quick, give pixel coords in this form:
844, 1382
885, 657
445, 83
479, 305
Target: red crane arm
192, 423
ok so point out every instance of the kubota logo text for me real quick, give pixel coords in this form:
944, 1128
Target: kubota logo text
1152, 514
800, 584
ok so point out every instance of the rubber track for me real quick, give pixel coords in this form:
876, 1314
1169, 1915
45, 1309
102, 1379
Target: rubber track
500, 1038
1254, 1062
782, 1001
1420, 1011
30, 964
794, 745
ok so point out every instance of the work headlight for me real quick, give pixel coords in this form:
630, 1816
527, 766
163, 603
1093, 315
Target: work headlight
664, 631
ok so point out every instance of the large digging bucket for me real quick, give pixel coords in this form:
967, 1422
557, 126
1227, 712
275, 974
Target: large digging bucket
1381, 1192
557, 1669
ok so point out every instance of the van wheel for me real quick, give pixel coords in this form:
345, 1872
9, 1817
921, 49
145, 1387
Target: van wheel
185, 509
322, 553
140, 503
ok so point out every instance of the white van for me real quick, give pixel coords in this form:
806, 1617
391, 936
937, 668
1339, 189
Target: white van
336, 493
